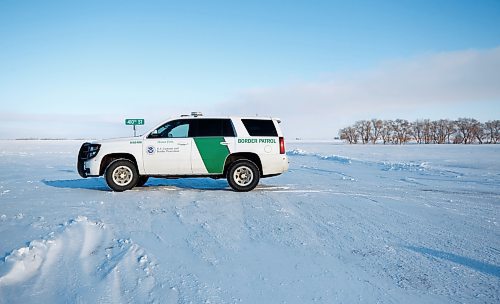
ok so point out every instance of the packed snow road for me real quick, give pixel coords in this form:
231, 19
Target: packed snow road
346, 224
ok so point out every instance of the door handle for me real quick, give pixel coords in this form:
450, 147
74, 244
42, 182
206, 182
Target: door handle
224, 143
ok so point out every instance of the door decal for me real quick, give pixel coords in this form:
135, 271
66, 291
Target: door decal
212, 152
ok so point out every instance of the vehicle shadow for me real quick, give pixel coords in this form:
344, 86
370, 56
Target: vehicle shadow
182, 183
87, 183
465, 261
189, 183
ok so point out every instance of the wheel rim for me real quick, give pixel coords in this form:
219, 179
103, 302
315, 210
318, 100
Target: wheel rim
243, 176
122, 175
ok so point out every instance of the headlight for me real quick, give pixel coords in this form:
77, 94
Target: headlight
93, 150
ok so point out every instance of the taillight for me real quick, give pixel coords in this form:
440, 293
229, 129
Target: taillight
282, 145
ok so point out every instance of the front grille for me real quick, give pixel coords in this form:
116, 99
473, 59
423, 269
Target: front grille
87, 151
84, 151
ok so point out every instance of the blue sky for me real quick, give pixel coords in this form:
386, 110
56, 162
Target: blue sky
81, 67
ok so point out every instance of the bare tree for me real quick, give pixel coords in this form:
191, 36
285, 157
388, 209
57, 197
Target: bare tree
427, 133
394, 126
492, 131
401, 131
364, 129
434, 129
350, 134
386, 131
418, 131
443, 130
478, 131
467, 129
377, 126
496, 133
450, 129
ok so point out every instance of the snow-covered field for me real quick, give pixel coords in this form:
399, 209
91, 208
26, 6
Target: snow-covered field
346, 224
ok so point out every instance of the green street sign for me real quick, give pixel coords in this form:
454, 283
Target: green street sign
134, 121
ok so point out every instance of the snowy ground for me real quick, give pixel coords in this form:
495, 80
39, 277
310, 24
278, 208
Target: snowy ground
346, 224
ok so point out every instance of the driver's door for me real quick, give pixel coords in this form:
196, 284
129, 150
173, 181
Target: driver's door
167, 150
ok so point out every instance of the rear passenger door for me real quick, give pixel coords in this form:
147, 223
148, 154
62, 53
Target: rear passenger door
214, 139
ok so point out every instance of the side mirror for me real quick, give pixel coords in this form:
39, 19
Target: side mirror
153, 134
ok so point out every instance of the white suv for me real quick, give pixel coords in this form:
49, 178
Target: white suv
241, 149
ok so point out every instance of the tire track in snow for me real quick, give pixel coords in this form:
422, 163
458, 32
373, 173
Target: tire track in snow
80, 262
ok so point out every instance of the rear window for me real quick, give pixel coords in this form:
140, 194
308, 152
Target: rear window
211, 127
260, 127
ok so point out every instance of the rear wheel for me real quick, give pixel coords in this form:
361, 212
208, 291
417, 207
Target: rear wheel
121, 175
243, 175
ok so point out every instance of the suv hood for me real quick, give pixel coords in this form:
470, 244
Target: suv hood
117, 140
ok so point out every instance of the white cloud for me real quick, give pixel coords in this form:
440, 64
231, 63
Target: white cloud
443, 85
460, 80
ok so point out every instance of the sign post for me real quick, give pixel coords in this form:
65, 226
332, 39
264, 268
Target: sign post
134, 122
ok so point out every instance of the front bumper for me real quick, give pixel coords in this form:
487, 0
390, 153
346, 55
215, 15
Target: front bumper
84, 172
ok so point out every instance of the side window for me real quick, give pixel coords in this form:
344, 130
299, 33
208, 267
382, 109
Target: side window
172, 129
180, 131
260, 127
227, 128
205, 127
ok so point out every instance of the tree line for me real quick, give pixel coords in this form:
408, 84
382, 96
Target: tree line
424, 131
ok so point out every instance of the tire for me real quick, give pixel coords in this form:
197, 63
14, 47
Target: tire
121, 175
243, 175
143, 179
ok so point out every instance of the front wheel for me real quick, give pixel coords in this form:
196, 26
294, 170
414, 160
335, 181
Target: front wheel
243, 175
121, 175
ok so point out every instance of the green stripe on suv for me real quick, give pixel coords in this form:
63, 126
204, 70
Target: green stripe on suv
212, 152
